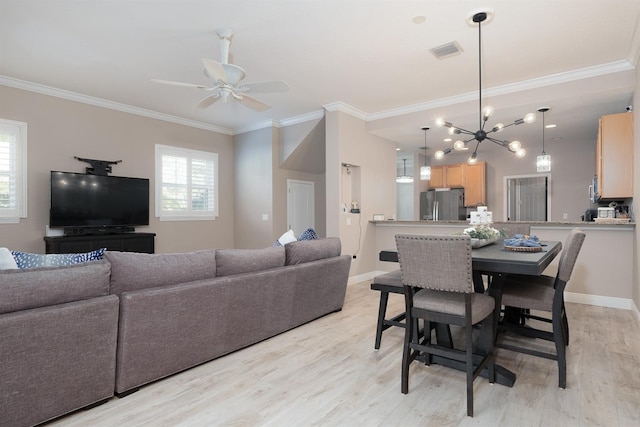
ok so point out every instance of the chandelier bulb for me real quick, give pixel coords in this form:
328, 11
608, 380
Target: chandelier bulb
439, 155
458, 145
515, 146
530, 118
487, 112
521, 152
440, 122
498, 127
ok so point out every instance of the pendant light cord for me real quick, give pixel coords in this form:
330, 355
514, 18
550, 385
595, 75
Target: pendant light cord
481, 123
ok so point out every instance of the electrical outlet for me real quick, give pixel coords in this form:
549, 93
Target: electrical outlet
565, 216
348, 221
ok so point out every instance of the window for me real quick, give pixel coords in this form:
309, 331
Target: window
13, 171
186, 184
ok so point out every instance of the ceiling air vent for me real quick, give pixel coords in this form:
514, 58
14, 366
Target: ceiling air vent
446, 50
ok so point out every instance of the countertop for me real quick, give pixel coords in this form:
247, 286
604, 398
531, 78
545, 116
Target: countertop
497, 224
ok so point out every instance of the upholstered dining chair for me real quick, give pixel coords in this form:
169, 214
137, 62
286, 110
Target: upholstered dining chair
544, 294
437, 276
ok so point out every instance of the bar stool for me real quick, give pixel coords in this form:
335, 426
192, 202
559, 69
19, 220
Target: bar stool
387, 283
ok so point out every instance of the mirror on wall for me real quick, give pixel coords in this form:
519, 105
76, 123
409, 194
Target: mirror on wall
527, 198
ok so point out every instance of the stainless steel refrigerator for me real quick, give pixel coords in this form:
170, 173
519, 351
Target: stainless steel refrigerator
443, 204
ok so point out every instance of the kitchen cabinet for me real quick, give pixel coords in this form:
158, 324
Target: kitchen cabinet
614, 156
447, 176
474, 185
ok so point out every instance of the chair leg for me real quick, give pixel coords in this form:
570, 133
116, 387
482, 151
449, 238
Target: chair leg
560, 340
469, 363
406, 354
382, 311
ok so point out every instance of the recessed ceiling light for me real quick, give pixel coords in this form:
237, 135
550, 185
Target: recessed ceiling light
419, 19
550, 126
397, 149
448, 140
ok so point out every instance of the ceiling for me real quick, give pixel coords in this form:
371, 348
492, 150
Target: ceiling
368, 58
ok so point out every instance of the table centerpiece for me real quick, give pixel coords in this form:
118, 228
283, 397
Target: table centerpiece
482, 235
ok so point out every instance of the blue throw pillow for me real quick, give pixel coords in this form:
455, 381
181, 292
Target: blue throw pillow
27, 260
309, 234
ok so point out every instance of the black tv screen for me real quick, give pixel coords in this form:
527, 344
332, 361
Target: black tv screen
83, 200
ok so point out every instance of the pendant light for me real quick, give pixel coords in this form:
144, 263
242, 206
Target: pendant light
484, 114
425, 170
543, 162
404, 178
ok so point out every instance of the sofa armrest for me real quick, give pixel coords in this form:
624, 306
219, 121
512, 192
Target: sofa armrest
56, 359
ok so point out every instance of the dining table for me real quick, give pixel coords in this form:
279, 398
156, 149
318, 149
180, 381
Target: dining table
495, 262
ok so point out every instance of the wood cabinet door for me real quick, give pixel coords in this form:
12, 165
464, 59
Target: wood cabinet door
437, 177
474, 185
615, 151
455, 175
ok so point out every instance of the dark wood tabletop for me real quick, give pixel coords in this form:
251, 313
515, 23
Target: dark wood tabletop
495, 259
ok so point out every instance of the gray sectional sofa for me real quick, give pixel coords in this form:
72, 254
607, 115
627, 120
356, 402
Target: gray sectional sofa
143, 317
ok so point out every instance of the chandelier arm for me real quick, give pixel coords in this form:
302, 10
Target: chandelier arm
464, 131
503, 143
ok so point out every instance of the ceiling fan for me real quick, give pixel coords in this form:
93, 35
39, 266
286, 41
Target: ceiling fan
226, 80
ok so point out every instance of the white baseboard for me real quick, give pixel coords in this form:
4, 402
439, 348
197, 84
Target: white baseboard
363, 277
600, 301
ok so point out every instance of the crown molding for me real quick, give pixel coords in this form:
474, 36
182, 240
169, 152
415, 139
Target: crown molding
255, 126
345, 108
314, 115
552, 79
98, 102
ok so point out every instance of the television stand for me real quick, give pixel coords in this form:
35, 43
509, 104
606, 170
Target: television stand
92, 231
125, 242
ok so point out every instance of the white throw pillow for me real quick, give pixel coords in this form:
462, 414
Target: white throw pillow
287, 237
6, 260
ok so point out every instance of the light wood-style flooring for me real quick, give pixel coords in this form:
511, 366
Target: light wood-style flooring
326, 373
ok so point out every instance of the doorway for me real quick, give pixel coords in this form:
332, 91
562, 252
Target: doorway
300, 205
527, 198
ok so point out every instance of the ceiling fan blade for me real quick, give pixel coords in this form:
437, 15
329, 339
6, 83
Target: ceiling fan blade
252, 103
167, 82
214, 70
206, 102
264, 87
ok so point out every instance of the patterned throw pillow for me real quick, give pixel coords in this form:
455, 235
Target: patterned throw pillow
309, 234
27, 260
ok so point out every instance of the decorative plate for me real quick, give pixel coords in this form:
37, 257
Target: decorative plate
523, 248
478, 243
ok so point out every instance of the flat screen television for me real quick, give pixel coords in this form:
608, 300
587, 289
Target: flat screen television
98, 201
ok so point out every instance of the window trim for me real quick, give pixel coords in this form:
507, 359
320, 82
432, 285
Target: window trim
13, 216
160, 150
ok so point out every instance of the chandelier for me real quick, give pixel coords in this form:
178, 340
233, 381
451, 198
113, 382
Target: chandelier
543, 162
484, 114
425, 170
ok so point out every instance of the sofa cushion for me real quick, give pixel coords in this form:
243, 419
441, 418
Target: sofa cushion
38, 287
312, 250
236, 261
28, 260
131, 270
